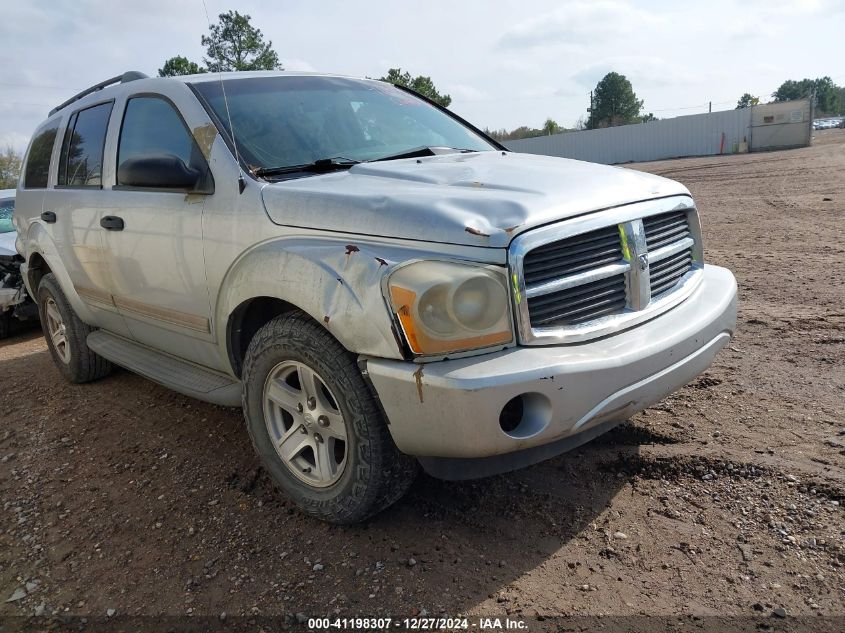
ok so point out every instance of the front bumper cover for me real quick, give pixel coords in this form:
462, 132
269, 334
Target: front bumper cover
448, 412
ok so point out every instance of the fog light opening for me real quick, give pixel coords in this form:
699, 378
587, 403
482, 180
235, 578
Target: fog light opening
511, 414
525, 415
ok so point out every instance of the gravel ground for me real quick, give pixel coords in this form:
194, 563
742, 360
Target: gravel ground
123, 498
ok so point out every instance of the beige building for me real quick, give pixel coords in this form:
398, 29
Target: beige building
781, 125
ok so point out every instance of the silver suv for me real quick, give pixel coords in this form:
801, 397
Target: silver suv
375, 281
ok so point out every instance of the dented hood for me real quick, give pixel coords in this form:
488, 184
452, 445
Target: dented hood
481, 199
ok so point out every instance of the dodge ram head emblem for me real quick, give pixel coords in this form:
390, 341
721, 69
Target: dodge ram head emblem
643, 261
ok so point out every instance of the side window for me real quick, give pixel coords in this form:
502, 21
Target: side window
38, 159
82, 151
153, 127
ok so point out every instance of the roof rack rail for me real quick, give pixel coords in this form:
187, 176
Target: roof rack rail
126, 77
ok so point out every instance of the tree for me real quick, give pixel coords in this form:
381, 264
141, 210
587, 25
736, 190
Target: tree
231, 44
179, 66
829, 98
790, 90
10, 168
648, 118
421, 84
551, 127
614, 102
746, 101
234, 44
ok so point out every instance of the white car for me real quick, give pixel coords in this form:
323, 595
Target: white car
7, 230
14, 301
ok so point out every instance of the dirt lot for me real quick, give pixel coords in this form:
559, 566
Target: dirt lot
723, 499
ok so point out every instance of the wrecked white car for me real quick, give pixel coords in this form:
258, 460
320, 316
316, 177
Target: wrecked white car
15, 305
378, 283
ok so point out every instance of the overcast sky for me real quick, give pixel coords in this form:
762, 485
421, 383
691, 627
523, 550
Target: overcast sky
505, 62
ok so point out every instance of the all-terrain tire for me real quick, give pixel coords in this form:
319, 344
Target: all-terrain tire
81, 364
376, 474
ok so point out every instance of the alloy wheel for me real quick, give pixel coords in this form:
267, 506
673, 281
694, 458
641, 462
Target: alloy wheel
57, 330
305, 423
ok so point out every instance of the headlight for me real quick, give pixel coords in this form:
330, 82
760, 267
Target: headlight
450, 307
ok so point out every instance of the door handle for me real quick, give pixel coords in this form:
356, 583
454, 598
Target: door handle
112, 223
48, 216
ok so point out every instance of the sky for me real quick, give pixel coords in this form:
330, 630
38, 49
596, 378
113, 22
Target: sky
505, 63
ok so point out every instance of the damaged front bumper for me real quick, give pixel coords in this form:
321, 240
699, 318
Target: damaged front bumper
477, 416
14, 299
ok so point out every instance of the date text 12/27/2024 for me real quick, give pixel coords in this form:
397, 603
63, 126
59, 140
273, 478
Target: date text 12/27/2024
417, 624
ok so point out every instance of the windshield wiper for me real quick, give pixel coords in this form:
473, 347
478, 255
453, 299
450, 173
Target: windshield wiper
319, 166
424, 150
325, 165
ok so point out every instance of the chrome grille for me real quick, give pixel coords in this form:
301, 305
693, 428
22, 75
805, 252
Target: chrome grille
591, 275
665, 228
579, 303
662, 231
572, 255
667, 272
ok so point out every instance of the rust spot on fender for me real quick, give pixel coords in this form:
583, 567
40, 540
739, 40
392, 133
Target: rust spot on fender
326, 319
474, 231
350, 249
511, 229
418, 376
381, 262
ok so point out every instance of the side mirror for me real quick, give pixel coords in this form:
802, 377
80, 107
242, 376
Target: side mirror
159, 171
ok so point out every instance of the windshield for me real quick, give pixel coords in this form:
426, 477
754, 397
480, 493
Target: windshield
291, 121
7, 209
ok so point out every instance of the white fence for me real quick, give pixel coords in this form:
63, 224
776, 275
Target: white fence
694, 135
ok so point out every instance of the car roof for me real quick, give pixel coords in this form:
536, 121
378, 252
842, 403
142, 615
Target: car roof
107, 89
251, 74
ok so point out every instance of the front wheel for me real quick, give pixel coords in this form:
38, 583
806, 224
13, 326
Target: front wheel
316, 425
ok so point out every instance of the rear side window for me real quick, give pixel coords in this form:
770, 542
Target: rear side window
38, 159
152, 126
82, 151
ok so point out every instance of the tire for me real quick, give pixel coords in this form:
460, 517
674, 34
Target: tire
5, 325
70, 352
286, 353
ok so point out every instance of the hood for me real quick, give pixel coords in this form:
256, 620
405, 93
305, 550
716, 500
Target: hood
481, 199
7, 243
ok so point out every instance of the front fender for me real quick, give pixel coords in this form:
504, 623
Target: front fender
336, 281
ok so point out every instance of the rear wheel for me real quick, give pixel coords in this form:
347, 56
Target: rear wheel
316, 426
66, 334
